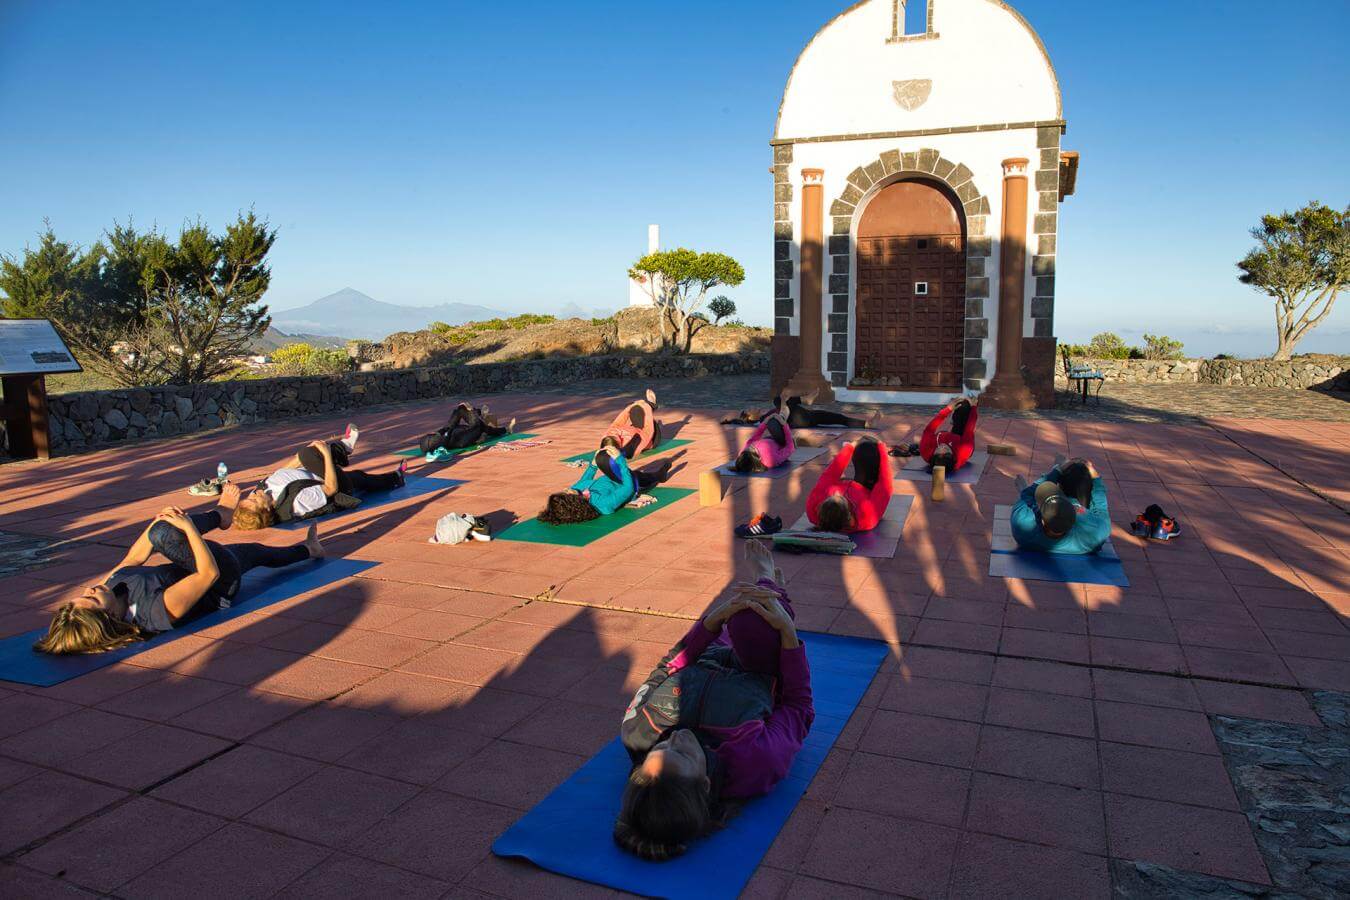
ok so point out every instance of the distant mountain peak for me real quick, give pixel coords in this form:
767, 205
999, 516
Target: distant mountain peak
358, 315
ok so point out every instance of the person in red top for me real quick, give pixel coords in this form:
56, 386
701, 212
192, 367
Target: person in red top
845, 505
636, 430
951, 449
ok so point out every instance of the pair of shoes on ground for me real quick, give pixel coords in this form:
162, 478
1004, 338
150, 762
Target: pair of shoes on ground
762, 525
207, 487
1154, 524
910, 450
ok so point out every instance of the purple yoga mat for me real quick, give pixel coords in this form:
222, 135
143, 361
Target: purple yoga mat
881, 542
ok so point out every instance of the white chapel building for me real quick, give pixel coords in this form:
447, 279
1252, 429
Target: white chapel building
918, 174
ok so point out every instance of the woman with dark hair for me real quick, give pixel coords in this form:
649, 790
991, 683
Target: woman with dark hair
605, 487
310, 484
769, 447
801, 415
635, 430
951, 449
468, 427
845, 506
719, 721
135, 601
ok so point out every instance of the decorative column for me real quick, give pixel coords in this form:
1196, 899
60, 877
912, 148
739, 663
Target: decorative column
810, 378
1009, 388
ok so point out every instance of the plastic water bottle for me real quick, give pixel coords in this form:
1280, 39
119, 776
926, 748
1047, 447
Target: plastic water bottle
222, 473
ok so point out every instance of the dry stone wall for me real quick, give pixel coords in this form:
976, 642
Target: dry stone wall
1324, 373
98, 418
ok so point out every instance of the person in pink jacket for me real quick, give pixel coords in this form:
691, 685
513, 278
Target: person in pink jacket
769, 447
719, 720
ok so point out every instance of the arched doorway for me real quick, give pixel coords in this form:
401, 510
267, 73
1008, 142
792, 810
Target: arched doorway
911, 290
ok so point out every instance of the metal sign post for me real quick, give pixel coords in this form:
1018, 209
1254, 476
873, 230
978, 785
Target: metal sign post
30, 349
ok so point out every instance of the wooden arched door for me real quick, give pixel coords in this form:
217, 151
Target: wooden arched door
911, 294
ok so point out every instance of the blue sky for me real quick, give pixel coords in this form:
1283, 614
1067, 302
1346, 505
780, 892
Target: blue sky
512, 154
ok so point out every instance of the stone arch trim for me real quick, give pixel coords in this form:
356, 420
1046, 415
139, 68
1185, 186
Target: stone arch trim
845, 211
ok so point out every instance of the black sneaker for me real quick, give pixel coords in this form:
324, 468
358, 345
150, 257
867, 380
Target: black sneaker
761, 525
480, 530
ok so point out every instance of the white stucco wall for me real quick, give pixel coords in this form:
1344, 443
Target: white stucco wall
986, 64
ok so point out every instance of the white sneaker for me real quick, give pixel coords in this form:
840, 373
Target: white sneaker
349, 439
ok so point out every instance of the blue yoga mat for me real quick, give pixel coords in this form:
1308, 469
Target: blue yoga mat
1007, 560
261, 587
569, 832
415, 486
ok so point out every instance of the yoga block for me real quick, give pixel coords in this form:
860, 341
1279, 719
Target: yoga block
939, 483
1002, 450
709, 488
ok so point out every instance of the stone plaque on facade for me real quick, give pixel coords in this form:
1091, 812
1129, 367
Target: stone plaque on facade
912, 94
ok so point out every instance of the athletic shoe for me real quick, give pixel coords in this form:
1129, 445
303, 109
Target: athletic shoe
207, 487
345, 501
480, 530
402, 473
351, 436
761, 525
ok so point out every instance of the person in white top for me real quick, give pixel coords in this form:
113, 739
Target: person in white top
306, 485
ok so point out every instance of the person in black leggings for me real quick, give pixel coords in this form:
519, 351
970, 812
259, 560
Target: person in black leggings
350, 481
467, 427
800, 415
135, 601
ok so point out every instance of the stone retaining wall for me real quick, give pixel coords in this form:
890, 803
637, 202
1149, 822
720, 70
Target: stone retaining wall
97, 418
1324, 373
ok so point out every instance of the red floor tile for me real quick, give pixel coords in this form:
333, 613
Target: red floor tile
1144, 688
1172, 775
343, 877
238, 863
69, 737
48, 802
1237, 665
988, 866
1043, 676
1251, 702
1048, 645
1038, 756
114, 848
1185, 837
935, 697
436, 834
884, 854
922, 738
1148, 656
1152, 726
332, 806
325, 732
904, 789
1035, 711
237, 782
147, 757
1038, 812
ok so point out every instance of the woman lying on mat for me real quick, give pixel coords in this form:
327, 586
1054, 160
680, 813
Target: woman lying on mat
720, 720
769, 447
310, 484
636, 430
1064, 511
136, 601
801, 415
604, 488
951, 449
468, 427
845, 506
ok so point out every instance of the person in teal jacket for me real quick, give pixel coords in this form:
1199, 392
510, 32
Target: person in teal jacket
604, 488
1064, 511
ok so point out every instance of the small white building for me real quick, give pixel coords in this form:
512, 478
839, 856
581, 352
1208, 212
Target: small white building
639, 291
917, 181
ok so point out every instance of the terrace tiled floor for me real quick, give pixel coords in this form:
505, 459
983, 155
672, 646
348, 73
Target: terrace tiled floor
375, 736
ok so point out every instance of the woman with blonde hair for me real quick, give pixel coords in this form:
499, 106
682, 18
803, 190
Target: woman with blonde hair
136, 601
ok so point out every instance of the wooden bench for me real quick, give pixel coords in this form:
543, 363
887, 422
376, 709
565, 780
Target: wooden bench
1081, 377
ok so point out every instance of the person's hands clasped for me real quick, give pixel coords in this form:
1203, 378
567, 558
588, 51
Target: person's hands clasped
772, 611
178, 519
722, 611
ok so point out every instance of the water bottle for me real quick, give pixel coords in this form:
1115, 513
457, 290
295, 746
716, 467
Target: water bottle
222, 473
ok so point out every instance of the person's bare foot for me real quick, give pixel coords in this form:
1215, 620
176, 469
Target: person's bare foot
651, 397
312, 543
758, 555
511, 427
874, 419
229, 500
810, 399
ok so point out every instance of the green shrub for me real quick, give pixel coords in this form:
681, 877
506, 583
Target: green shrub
304, 359
1160, 346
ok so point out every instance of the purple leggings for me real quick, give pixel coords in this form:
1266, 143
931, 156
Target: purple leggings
757, 644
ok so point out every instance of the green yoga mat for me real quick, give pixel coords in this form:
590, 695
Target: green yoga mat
532, 531
414, 453
659, 448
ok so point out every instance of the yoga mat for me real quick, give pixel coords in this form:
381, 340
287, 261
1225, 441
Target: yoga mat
915, 469
881, 542
659, 448
532, 531
415, 486
800, 457
569, 831
261, 588
415, 453
1007, 560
